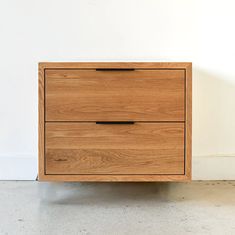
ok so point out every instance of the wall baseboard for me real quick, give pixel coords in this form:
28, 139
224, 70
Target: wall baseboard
18, 167
22, 167
215, 167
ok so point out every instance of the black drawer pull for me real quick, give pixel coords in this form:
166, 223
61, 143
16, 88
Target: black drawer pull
115, 123
115, 69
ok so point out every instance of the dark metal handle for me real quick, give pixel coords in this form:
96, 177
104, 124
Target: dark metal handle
115, 69
115, 123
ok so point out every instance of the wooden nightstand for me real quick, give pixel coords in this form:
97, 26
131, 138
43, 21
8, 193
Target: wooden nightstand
115, 121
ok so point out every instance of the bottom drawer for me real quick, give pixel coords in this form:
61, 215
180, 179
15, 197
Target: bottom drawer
90, 148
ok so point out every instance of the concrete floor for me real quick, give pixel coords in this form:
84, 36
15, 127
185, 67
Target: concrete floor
28, 208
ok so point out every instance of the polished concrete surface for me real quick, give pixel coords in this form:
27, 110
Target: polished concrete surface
28, 208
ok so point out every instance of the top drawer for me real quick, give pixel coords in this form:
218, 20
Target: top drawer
114, 95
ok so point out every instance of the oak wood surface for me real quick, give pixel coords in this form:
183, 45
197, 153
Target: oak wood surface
184, 66
188, 122
94, 65
41, 121
141, 95
89, 148
114, 178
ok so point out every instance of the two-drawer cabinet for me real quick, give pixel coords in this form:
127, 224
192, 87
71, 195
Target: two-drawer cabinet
115, 121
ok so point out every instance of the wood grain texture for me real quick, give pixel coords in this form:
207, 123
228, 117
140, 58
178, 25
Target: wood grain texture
114, 178
185, 66
41, 121
188, 122
94, 65
117, 161
89, 148
89, 95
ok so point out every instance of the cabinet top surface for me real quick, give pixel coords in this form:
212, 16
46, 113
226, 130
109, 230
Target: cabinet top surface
140, 65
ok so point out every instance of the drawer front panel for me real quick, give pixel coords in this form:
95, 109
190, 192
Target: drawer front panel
89, 148
139, 95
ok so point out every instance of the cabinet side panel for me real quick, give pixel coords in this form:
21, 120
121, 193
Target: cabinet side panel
41, 171
188, 144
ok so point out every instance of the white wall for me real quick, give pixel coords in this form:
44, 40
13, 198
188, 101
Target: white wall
119, 30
